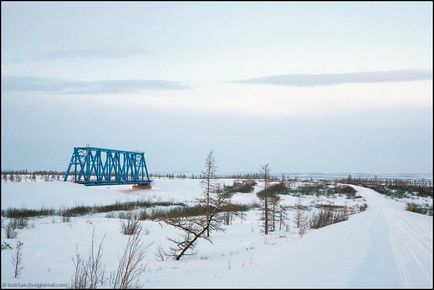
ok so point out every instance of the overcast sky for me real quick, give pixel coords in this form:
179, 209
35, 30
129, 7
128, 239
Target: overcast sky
306, 87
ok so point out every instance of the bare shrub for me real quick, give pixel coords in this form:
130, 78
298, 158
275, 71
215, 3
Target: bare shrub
17, 259
110, 215
160, 255
143, 215
345, 212
300, 219
327, 217
413, 207
303, 227
124, 215
6, 246
131, 225
300, 216
79, 278
66, 218
10, 230
283, 216
131, 264
21, 223
88, 273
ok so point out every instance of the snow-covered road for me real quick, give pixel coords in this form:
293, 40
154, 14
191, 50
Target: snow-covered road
407, 244
385, 246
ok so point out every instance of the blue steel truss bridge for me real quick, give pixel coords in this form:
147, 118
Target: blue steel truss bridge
100, 166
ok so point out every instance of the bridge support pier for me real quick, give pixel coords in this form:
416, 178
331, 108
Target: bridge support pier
142, 186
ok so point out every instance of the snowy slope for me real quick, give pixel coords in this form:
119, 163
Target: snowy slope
382, 247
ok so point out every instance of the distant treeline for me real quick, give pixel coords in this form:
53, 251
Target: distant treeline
155, 175
199, 176
392, 183
394, 187
36, 172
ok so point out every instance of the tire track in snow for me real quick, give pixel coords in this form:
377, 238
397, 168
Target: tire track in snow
409, 236
410, 246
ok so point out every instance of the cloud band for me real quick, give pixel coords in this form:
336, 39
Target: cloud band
308, 80
50, 85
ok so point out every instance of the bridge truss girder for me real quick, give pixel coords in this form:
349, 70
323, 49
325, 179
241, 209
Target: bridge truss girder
100, 166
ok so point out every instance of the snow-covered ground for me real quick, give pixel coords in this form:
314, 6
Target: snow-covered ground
59, 194
385, 246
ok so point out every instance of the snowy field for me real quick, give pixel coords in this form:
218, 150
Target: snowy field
58, 194
384, 246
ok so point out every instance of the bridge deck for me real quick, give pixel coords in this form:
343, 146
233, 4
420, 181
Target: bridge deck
96, 183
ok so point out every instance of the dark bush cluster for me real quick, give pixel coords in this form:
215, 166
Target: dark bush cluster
397, 188
244, 187
77, 211
363, 207
134, 205
278, 188
188, 211
327, 217
323, 188
83, 210
423, 209
25, 213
